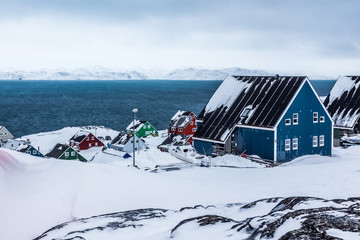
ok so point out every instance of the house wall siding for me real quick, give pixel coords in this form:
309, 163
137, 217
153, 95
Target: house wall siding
255, 142
305, 104
203, 147
84, 145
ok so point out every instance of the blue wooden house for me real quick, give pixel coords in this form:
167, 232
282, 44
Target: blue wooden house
28, 149
277, 118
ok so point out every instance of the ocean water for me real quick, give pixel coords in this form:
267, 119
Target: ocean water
28, 107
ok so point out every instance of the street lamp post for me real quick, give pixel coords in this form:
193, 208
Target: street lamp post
134, 132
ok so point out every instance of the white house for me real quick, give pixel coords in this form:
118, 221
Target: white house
124, 142
5, 134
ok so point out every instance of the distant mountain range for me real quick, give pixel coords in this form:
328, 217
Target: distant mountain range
101, 73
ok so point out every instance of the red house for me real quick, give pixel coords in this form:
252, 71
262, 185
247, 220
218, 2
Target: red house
183, 123
85, 140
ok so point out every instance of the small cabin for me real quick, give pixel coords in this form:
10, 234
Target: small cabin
277, 118
182, 123
343, 105
142, 129
175, 140
5, 134
125, 142
13, 144
83, 140
29, 149
65, 152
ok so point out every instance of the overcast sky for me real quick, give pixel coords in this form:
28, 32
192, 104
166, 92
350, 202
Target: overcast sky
291, 36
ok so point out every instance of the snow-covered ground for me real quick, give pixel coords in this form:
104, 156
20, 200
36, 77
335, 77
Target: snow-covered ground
37, 194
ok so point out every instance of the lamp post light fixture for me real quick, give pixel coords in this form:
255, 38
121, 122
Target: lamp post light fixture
134, 133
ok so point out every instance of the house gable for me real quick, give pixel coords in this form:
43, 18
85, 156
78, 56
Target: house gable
297, 127
254, 101
5, 134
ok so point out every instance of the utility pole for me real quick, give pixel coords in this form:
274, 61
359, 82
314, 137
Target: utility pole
134, 133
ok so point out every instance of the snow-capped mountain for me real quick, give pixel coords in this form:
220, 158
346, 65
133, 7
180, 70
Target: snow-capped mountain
101, 73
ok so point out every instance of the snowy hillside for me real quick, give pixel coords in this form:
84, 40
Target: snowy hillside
146, 204
101, 73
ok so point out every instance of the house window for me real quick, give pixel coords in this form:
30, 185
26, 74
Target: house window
66, 154
315, 117
295, 118
180, 129
321, 140
148, 126
0, 134
246, 112
96, 144
72, 154
173, 128
191, 123
5, 134
322, 119
89, 144
92, 138
27, 152
87, 139
34, 151
315, 141
287, 121
194, 129
287, 145
144, 127
295, 143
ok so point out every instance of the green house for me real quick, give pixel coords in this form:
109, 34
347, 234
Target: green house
65, 152
142, 129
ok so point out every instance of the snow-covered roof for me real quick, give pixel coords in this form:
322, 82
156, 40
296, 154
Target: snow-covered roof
176, 140
181, 119
79, 136
343, 101
246, 100
23, 148
138, 125
57, 151
123, 138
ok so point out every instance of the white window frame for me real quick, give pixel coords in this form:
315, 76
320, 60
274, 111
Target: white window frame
181, 130
194, 129
34, 151
315, 141
288, 122
295, 143
149, 126
96, 144
92, 138
287, 144
73, 154
173, 128
67, 154
87, 139
191, 123
89, 144
144, 127
315, 117
295, 117
321, 140
322, 119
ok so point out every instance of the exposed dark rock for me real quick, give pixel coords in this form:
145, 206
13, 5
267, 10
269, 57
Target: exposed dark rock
314, 218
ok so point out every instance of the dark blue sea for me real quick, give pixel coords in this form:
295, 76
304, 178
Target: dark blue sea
28, 107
